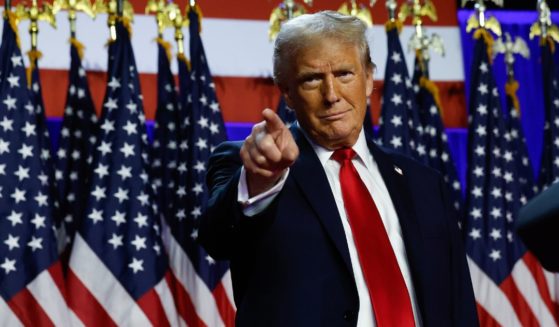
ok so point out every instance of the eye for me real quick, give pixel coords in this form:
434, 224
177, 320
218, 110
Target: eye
311, 82
345, 75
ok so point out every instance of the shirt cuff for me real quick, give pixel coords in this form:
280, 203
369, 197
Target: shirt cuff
257, 204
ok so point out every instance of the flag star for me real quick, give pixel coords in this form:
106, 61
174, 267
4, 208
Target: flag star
475, 233
114, 83
6, 124
396, 78
396, 120
121, 195
496, 213
483, 67
198, 189
202, 143
18, 195
210, 260
181, 191
199, 167
127, 150
119, 218
8, 265
111, 104
477, 192
26, 151
43, 178
13, 80
125, 172
139, 242
136, 265
480, 151
203, 122
10, 102
396, 99
115, 241
194, 234
157, 249
4, 146
481, 131
76, 155
141, 220
483, 88
15, 218
496, 192
130, 128
99, 192
41, 199
510, 236
495, 234
96, 215
421, 149
38, 221
476, 213
196, 212
2, 169
181, 214
396, 57
108, 126
61, 153
144, 177
143, 198
495, 255
105, 147
132, 106
45, 153
16, 61
214, 128
203, 100
81, 93
396, 142
102, 170
21, 173
35, 243
12, 241
214, 106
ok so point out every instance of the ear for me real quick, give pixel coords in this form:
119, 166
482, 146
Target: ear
369, 81
286, 95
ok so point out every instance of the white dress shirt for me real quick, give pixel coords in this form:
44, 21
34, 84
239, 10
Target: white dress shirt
370, 174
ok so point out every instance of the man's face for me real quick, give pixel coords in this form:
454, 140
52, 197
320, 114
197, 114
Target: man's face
327, 85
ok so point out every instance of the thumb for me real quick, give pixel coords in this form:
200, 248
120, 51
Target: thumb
273, 121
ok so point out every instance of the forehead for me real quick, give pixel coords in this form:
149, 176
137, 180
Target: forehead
332, 52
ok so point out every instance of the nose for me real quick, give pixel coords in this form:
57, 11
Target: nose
330, 91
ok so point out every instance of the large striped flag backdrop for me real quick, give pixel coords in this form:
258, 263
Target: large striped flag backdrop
118, 272
510, 287
31, 282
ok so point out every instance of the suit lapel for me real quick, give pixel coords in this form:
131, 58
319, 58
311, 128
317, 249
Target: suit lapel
308, 174
395, 180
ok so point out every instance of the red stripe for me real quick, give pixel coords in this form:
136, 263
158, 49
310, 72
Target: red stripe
84, 304
485, 319
28, 310
184, 304
57, 275
226, 310
537, 271
518, 302
252, 94
151, 305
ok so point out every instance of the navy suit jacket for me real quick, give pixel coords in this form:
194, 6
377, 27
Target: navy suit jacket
290, 264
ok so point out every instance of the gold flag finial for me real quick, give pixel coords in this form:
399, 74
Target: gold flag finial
286, 10
34, 14
358, 10
73, 6
417, 11
479, 20
510, 48
110, 8
179, 21
161, 8
544, 27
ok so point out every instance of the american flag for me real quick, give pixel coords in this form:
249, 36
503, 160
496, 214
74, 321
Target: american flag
203, 283
399, 125
77, 139
31, 282
435, 138
510, 287
118, 272
286, 114
549, 169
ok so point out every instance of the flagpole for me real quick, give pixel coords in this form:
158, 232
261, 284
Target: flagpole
7, 5
119, 8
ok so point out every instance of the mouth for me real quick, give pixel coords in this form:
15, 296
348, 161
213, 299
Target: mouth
333, 116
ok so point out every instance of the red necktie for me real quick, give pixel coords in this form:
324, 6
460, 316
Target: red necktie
387, 289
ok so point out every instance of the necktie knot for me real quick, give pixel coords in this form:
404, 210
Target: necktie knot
343, 154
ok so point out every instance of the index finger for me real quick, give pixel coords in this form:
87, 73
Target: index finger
273, 121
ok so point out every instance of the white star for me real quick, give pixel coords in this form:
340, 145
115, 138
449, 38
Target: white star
10, 102
108, 126
139, 242
483, 88
483, 67
35, 243
119, 218
61, 153
181, 214
396, 120
111, 104
132, 106
43, 178
196, 212
194, 234
12, 241
26, 151
496, 192
477, 192
181, 191
96, 215
121, 195
396, 142
13, 80
475, 233
141, 220
136, 265
38, 221
214, 128
495, 255
396, 78
143, 198
105, 147
18, 195
114, 83
210, 260
157, 249
41, 199
481, 131
203, 122
99, 192
203, 100
7, 124
202, 143
480, 151
198, 189
199, 167
130, 128
396, 99
115, 241
17, 61
396, 57
496, 213
476, 213
2, 169
124, 172
4, 146
22, 173
8, 265
127, 150
495, 234
102, 170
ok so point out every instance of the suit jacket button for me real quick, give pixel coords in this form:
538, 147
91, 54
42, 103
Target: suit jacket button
349, 315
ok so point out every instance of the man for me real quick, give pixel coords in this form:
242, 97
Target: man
323, 227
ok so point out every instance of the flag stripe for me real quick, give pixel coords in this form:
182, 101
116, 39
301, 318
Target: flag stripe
28, 310
228, 286
184, 304
85, 305
48, 296
8, 316
541, 283
226, 310
183, 269
526, 284
518, 302
163, 289
153, 308
103, 285
485, 319
491, 298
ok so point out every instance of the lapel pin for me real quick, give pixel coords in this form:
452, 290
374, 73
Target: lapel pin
398, 170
